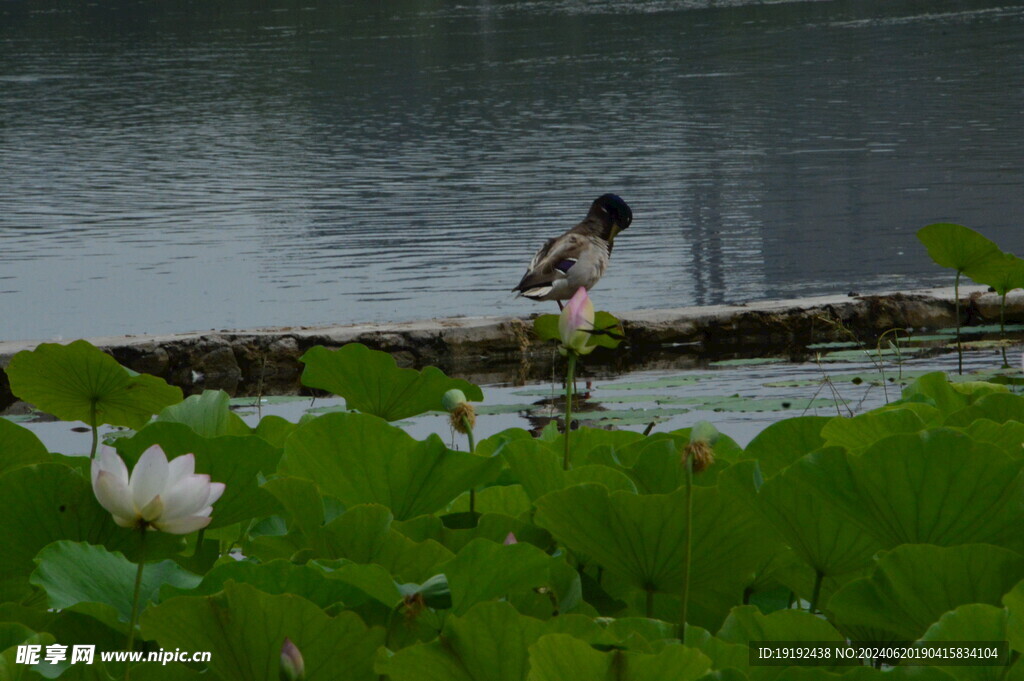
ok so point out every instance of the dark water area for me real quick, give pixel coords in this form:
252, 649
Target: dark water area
183, 166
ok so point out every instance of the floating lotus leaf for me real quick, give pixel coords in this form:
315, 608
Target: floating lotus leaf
244, 628
783, 442
78, 382
558, 657
44, 503
937, 487
860, 431
19, 446
822, 536
208, 414
237, 461
101, 583
958, 247
361, 459
371, 382
666, 382
914, 584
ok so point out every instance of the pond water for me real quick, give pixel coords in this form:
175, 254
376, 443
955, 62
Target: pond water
741, 397
180, 166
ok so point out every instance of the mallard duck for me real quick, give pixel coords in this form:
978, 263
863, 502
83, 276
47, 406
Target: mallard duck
578, 257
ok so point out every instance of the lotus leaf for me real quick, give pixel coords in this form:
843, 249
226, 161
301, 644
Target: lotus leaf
361, 459
914, 584
244, 628
371, 382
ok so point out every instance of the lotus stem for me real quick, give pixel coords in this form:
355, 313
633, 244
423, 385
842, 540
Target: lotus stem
472, 448
1002, 328
95, 430
959, 347
685, 592
138, 590
570, 377
819, 576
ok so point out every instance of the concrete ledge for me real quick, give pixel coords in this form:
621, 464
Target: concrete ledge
502, 349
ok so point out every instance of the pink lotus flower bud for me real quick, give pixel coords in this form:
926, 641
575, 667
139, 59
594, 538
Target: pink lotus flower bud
576, 322
293, 668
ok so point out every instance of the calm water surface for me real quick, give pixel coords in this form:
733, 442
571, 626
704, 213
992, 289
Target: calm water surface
173, 166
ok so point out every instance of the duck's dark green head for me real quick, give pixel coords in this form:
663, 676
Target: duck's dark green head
613, 213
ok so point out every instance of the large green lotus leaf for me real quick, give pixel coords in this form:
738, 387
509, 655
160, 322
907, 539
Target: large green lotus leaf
1003, 273
275, 429
244, 628
78, 382
865, 429
783, 442
485, 570
971, 622
913, 585
641, 540
935, 389
488, 643
510, 500
934, 487
100, 583
658, 467
1014, 602
538, 469
44, 503
237, 461
208, 414
583, 441
495, 527
372, 383
19, 446
822, 536
301, 499
998, 407
746, 623
10, 668
558, 657
1009, 435
363, 534
275, 577
957, 247
361, 459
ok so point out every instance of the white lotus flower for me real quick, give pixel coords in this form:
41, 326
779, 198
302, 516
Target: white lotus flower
162, 495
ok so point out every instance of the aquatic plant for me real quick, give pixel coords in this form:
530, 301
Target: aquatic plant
345, 538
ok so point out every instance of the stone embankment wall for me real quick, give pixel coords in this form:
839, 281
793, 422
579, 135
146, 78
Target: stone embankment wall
502, 349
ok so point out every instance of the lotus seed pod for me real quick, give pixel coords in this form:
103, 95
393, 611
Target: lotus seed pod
452, 399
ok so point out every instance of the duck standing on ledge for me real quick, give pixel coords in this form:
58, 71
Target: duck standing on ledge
578, 257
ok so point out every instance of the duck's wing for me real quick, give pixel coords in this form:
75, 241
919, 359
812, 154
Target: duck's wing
552, 263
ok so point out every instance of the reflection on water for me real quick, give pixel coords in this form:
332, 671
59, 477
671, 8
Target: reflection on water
170, 166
